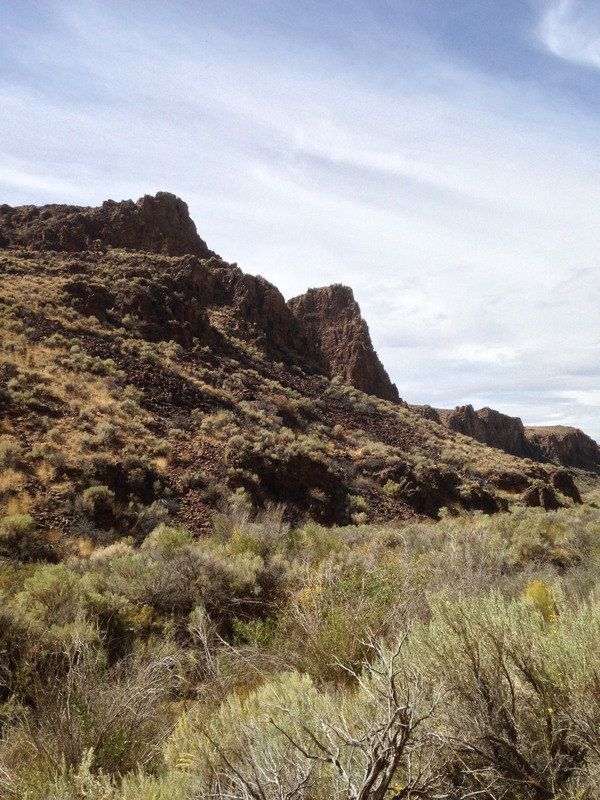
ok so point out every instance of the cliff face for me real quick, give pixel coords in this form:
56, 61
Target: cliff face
176, 302
262, 305
561, 444
568, 446
490, 427
159, 224
339, 339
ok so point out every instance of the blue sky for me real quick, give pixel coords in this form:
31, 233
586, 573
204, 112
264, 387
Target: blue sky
442, 157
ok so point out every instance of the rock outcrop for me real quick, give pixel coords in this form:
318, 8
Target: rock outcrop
561, 444
174, 301
490, 427
261, 305
566, 445
339, 339
159, 224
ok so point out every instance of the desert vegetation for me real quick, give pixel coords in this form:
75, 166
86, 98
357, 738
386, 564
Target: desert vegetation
173, 405
449, 659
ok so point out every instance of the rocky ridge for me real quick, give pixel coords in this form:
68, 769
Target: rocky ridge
164, 381
561, 444
155, 224
324, 327
490, 427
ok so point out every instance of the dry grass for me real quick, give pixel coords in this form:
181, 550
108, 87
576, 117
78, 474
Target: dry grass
19, 504
45, 473
12, 480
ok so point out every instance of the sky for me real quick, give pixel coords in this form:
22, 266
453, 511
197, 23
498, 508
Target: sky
441, 157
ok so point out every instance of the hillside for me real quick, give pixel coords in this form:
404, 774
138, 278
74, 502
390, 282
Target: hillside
140, 384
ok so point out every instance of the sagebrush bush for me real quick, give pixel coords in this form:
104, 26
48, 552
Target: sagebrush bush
98, 498
10, 454
261, 636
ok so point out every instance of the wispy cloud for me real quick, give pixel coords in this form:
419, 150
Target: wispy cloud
570, 29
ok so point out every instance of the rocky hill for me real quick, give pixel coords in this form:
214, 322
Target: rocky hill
142, 378
564, 445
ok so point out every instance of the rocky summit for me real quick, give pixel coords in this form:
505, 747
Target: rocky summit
159, 224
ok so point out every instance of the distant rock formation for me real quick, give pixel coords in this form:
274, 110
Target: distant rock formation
559, 443
568, 446
159, 224
490, 427
339, 339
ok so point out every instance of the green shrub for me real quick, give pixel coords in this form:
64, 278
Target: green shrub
332, 620
19, 538
10, 454
111, 716
288, 735
98, 498
16, 525
167, 539
508, 709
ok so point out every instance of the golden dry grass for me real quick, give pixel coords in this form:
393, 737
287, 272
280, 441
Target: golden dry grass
19, 504
12, 480
45, 472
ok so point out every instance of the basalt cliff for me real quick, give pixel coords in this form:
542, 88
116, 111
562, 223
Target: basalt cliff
157, 224
559, 443
339, 339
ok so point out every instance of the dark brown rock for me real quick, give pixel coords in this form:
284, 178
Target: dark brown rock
490, 427
465, 420
339, 339
427, 412
89, 298
565, 445
561, 444
169, 305
541, 497
261, 305
563, 482
510, 481
477, 498
159, 224
293, 481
